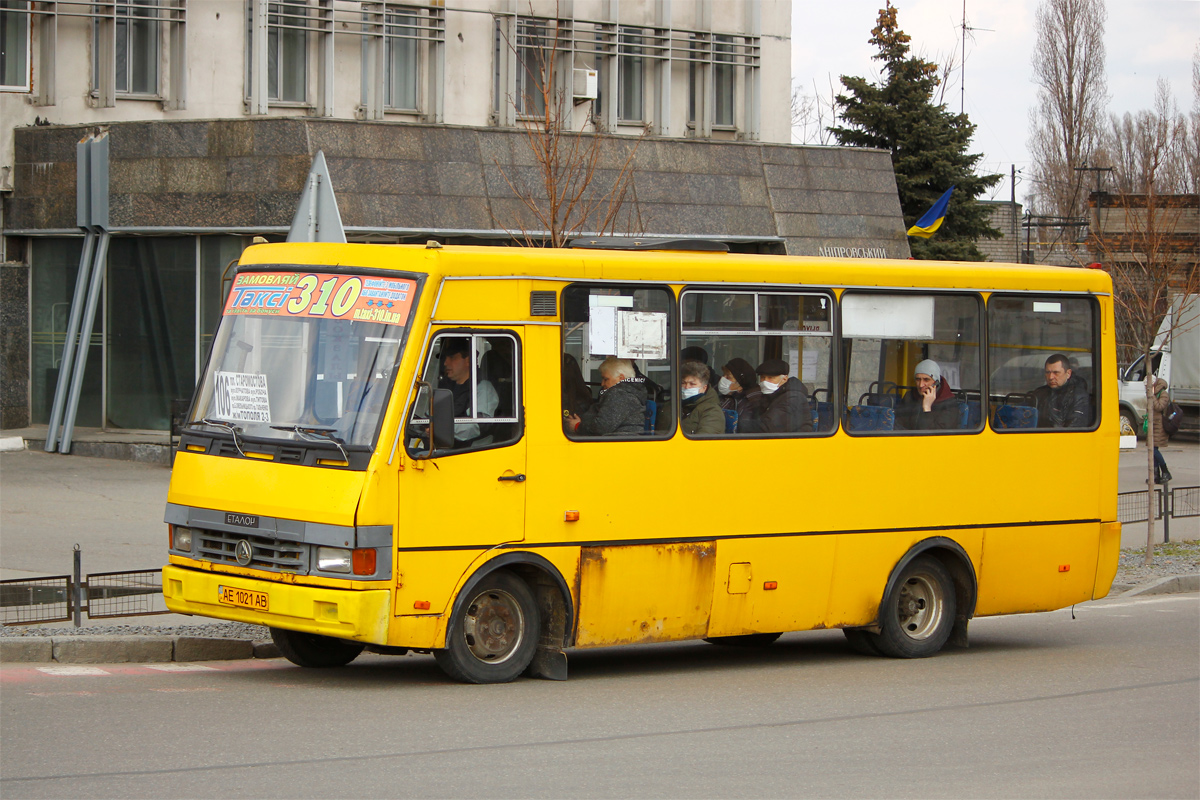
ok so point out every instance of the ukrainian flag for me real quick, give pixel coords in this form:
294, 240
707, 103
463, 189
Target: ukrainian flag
932, 220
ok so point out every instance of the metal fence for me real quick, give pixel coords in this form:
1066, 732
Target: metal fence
1182, 501
132, 593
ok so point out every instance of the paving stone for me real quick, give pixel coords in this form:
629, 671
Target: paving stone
26, 648
197, 648
112, 649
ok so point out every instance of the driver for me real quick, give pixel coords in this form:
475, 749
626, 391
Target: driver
457, 368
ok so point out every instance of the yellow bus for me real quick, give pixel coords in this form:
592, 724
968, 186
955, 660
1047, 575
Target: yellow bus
498, 454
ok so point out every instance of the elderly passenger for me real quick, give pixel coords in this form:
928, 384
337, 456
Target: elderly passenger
621, 409
700, 410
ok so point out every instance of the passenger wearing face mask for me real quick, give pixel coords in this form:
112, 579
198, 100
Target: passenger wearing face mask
700, 410
783, 407
738, 387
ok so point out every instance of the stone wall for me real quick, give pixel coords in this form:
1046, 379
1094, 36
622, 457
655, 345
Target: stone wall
230, 175
14, 346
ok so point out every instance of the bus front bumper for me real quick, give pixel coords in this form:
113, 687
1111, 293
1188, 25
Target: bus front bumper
360, 615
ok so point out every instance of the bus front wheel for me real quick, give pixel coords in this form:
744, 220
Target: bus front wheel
314, 650
917, 615
493, 634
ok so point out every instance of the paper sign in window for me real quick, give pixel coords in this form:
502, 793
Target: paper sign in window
243, 396
641, 334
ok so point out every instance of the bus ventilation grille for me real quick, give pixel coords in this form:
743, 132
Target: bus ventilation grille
542, 304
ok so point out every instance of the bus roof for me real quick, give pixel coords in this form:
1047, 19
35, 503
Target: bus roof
679, 267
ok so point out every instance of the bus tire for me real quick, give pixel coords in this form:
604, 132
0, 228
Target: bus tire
493, 632
314, 650
745, 640
917, 615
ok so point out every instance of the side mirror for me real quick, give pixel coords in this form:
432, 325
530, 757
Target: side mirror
441, 420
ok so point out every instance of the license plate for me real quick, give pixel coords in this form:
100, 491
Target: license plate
242, 598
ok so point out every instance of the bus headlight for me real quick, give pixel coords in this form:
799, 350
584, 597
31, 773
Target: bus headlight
181, 538
333, 559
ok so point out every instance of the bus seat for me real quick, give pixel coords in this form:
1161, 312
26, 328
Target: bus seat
651, 416
731, 417
969, 414
1015, 417
878, 399
825, 420
863, 418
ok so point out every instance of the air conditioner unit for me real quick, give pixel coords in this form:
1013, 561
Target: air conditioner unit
587, 85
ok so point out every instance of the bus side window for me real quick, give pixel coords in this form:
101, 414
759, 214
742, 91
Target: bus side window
481, 372
913, 362
737, 332
611, 328
1041, 352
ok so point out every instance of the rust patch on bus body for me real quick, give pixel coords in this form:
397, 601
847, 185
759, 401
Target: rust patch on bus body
635, 594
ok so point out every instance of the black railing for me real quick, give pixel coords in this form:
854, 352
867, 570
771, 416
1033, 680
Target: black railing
1176, 503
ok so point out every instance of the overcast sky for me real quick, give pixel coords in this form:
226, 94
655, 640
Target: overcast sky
1144, 39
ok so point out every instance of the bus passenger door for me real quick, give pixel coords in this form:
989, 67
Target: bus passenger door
472, 493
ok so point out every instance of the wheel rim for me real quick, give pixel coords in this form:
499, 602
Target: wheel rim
920, 606
493, 626
1127, 426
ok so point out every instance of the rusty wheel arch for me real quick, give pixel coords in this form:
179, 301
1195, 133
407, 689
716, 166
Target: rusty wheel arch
966, 583
558, 610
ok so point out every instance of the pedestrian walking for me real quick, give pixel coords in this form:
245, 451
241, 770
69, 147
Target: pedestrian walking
1161, 401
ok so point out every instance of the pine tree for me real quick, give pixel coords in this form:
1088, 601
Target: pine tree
927, 142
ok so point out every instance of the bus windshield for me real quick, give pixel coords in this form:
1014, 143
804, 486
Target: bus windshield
305, 358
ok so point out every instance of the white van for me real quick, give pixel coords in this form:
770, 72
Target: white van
1174, 358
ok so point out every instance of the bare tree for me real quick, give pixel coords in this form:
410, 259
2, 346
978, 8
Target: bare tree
1068, 68
1139, 233
814, 114
572, 194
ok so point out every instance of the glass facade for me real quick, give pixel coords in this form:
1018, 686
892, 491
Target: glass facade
161, 304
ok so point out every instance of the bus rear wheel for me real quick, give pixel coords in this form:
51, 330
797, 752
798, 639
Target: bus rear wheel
917, 615
493, 634
314, 650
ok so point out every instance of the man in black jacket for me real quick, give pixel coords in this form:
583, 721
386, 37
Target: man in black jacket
783, 406
1064, 401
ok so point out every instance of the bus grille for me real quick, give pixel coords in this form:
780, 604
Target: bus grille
267, 553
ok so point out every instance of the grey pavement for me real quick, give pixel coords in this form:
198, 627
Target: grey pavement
114, 508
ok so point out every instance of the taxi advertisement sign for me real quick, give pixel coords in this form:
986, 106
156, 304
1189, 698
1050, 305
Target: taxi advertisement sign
359, 298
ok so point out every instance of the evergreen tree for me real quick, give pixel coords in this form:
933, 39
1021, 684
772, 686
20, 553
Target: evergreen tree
927, 142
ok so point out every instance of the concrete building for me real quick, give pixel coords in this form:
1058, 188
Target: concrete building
213, 111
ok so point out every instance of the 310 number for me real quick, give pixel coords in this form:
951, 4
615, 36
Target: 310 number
342, 301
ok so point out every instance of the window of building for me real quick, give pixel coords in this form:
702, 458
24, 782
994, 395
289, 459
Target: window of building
129, 43
631, 80
401, 37
787, 334
14, 46
1041, 357
724, 73
618, 379
162, 301
535, 52
913, 362
481, 372
287, 53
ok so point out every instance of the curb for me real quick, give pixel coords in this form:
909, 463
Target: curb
126, 649
1175, 584
11, 444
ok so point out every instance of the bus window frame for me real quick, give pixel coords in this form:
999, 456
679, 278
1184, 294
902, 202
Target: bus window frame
672, 358
1095, 344
981, 321
410, 417
833, 334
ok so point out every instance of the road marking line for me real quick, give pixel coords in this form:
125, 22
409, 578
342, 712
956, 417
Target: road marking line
72, 671
180, 667
182, 691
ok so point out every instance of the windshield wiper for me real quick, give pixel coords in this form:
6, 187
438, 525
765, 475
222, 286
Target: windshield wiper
234, 430
304, 431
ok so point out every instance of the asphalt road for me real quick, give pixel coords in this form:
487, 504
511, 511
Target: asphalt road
1103, 705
